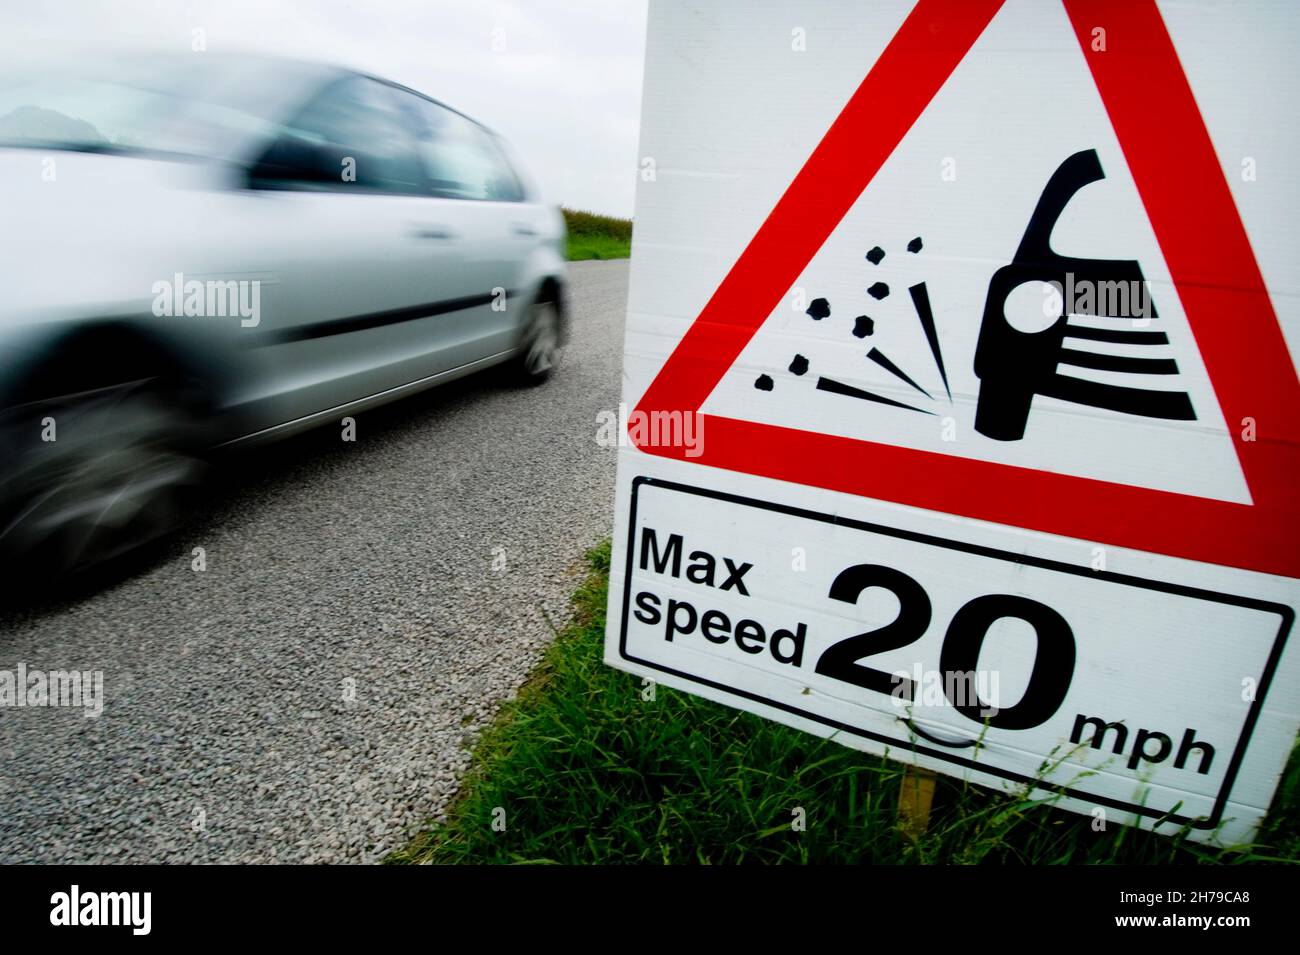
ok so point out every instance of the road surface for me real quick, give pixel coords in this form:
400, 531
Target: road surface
366, 607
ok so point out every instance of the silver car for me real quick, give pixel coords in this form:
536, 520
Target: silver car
200, 251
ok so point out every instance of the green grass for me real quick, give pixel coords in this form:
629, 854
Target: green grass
587, 771
593, 236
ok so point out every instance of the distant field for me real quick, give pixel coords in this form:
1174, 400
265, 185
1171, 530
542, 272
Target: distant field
593, 236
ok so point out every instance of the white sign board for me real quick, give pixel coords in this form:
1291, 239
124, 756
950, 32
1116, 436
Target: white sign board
963, 419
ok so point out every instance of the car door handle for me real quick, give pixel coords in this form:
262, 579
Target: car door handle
431, 232
521, 228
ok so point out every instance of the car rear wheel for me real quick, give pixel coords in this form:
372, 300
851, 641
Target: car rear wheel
540, 346
95, 474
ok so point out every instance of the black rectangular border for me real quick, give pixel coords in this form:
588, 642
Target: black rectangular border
1286, 614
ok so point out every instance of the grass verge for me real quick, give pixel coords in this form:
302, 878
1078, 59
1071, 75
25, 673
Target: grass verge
587, 770
593, 236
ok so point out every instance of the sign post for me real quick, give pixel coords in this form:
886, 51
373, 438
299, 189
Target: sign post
915, 795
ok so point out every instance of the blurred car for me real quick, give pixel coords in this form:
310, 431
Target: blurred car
205, 250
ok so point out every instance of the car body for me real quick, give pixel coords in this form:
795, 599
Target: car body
201, 251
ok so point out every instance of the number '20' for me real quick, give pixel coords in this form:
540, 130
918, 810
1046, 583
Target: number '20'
1053, 660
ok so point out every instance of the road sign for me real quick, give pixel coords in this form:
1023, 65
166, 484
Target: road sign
991, 413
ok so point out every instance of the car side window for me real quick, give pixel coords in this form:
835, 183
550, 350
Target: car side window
461, 159
349, 136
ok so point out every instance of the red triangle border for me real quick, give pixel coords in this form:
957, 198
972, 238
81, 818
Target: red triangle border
1200, 232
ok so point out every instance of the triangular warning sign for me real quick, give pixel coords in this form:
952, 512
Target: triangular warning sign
1202, 239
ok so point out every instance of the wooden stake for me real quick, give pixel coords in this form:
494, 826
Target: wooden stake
914, 798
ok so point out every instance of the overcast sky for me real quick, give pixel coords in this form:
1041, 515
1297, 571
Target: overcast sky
561, 79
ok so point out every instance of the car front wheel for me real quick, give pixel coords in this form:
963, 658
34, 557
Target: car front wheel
95, 474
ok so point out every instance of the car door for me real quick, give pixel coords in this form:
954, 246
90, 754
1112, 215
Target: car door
338, 218
473, 186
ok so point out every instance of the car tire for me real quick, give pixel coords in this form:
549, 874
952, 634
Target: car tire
539, 346
116, 473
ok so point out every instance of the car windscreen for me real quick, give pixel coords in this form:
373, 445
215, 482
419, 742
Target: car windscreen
183, 106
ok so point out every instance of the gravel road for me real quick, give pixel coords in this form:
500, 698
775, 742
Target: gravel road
312, 695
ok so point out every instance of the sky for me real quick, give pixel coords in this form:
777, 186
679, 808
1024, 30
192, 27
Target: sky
561, 79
